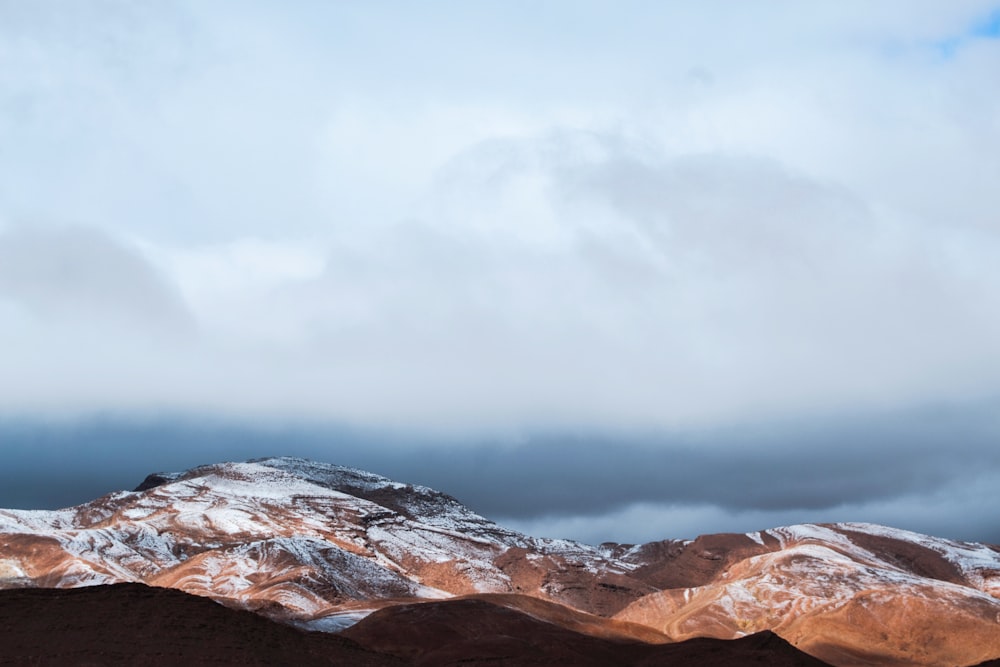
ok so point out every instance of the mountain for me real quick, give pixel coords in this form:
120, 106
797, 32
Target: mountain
320, 547
852, 594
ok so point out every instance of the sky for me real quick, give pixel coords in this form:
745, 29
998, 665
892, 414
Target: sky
610, 271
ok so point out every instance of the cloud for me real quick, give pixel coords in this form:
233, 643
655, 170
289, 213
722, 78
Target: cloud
655, 218
953, 513
579, 276
86, 322
815, 464
565, 278
930, 470
79, 276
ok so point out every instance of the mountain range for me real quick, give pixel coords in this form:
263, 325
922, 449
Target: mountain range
339, 560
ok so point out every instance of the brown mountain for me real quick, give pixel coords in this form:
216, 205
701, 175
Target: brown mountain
321, 547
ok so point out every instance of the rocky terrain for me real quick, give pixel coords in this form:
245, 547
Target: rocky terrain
321, 547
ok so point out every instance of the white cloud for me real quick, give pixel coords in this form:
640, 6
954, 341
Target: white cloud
645, 215
954, 512
71, 274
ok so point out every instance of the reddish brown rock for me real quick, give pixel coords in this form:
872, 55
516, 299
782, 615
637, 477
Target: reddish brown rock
320, 546
853, 595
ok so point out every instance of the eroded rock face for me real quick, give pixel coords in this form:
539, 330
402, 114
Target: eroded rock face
850, 594
320, 546
297, 540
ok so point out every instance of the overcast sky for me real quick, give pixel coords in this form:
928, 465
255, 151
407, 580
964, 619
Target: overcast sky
556, 245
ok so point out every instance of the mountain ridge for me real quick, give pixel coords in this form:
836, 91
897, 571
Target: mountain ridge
321, 546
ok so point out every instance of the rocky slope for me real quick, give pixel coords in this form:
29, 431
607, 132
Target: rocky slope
322, 546
851, 594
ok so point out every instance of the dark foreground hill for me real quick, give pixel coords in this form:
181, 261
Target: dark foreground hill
132, 624
478, 632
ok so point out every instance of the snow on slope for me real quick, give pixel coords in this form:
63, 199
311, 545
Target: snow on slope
850, 594
319, 545
288, 532
979, 564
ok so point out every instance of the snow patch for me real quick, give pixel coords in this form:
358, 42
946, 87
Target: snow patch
11, 570
334, 622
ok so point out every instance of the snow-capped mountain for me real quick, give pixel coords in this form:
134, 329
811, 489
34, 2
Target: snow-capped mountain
850, 594
321, 546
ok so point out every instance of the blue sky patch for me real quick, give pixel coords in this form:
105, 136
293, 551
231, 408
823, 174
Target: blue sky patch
985, 28
988, 28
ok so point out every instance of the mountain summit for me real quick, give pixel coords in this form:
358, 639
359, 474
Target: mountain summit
321, 547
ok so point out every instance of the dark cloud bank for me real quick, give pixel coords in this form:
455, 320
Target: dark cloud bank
912, 459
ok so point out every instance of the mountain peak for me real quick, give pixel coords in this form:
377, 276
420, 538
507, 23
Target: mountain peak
320, 546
